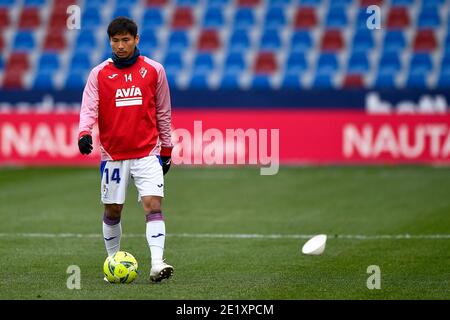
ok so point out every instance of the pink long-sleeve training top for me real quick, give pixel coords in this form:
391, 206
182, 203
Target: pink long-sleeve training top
132, 106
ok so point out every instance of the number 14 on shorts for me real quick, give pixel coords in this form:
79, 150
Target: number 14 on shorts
115, 176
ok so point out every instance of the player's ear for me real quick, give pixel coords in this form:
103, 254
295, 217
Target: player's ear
137, 39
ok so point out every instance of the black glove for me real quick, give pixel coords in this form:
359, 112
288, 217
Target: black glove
166, 161
85, 144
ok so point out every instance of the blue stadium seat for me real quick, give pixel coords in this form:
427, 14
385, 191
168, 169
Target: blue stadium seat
178, 41
172, 79
296, 63
274, 18
358, 63
80, 62
429, 18
93, 4
445, 64
173, 62
48, 62
419, 67
261, 82
323, 81
153, 18
291, 81
239, 41
90, 19
230, 81
217, 3
336, 18
1, 63
24, 41
310, 3
270, 41
148, 42
85, 42
340, 3
6, 3
126, 4
244, 18
186, 3
420, 63
278, 3
362, 40
121, 12
76, 79
389, 62
385, 80
301, 41
394, 41
199, 81
327, 63
203, 63
444, 79
433, 3
416, 80
34, 3
234, 63
213, 18
43, 81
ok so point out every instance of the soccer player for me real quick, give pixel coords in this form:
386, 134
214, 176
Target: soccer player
128, 95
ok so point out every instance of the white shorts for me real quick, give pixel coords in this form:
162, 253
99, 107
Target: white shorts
146, 172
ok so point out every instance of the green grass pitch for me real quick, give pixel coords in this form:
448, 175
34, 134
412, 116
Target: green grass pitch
51, 219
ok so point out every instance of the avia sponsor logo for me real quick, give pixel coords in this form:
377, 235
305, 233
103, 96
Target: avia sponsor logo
421, 141
128, 97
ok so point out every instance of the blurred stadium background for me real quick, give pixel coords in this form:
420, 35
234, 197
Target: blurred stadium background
247, 44
337, 91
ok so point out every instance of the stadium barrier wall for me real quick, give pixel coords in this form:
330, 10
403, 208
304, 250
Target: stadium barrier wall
248, 137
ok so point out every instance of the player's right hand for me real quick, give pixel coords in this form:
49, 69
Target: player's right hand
85, 144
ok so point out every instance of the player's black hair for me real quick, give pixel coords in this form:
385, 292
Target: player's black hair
122, 25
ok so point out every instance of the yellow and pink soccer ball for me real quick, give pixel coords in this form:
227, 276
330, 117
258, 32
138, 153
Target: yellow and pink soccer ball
121, 267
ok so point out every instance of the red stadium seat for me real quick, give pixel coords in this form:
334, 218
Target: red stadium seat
61, 5
13, 79
332, 41
58, 19
156, 3
366, 3
305, 18
265, 63
2, 42
208, 40
248, 3
425, 40
353, 81
183, 18
18, 61
4, 18
54, 41
398, 18
29, 18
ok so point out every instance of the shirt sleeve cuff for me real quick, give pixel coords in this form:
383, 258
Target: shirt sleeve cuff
166, 151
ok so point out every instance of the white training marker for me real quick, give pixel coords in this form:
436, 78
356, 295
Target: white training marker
315, 245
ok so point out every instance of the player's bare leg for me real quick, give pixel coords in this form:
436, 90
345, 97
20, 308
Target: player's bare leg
156, 235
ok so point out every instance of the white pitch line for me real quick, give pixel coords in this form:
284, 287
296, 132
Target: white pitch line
234, 236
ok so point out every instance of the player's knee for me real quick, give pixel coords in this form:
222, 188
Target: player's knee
152, 204
113, 211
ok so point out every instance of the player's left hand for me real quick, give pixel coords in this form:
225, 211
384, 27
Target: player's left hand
166, 158
166, 161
